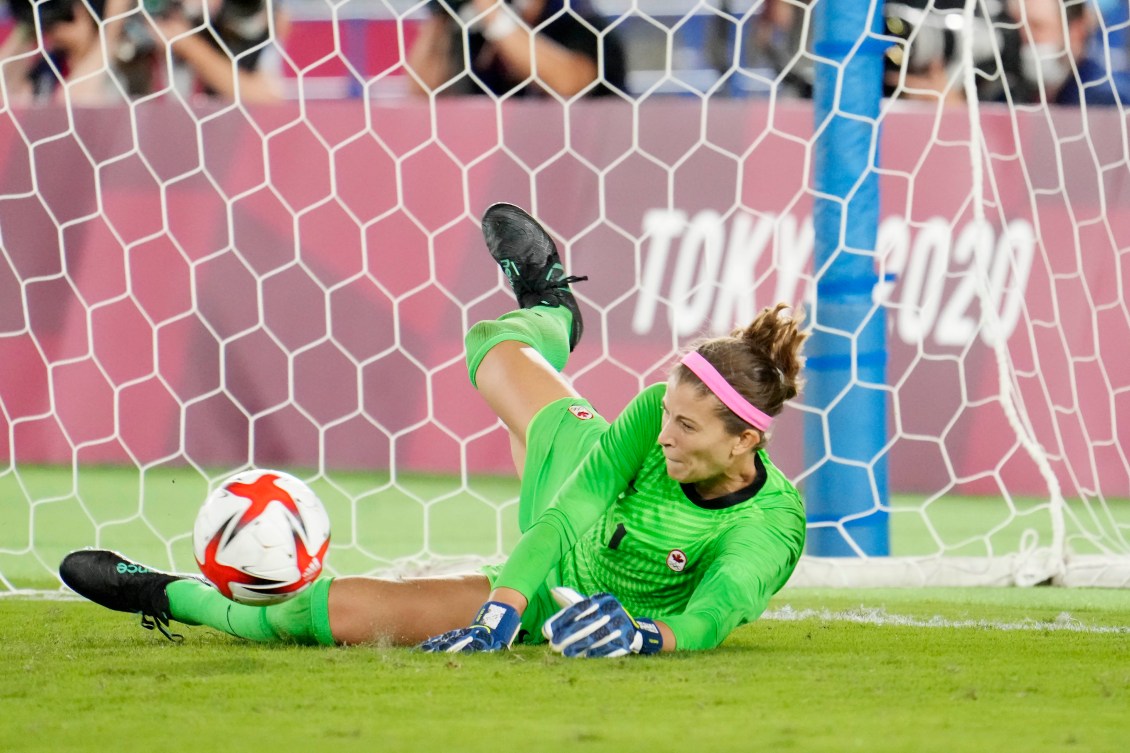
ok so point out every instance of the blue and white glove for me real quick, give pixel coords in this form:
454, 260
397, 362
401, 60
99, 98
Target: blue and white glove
494, 629
598, 626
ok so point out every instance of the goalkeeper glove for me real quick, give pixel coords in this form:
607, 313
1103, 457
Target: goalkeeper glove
494, 629
598, 626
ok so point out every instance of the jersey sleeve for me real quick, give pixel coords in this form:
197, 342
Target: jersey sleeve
601, 478
753, 563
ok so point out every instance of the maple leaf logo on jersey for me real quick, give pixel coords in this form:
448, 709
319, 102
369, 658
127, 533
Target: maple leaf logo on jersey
581, 412
677, 560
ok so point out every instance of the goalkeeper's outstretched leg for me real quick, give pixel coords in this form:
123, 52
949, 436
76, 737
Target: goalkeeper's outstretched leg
353, 610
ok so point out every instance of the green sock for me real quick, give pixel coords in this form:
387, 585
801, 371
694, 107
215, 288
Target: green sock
303, 619
546, 329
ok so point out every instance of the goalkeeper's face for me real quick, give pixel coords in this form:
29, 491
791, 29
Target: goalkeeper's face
698, 448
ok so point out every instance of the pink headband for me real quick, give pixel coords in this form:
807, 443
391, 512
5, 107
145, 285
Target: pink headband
725, 391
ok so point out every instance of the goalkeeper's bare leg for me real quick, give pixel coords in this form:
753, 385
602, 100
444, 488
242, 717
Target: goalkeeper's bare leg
331, 611
515, 361
403, 612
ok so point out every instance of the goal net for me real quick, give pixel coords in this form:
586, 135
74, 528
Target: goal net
189, 288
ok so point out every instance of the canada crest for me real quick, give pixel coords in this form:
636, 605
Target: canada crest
581, 412
677, 560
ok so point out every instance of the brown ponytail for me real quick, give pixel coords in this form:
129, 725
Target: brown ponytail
762, 361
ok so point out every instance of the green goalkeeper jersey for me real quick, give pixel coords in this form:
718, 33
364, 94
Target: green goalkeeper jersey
621, 525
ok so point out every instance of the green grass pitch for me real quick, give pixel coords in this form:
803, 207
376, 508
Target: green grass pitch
901, 670
80, 678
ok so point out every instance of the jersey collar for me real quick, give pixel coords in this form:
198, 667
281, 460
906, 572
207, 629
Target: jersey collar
734, 497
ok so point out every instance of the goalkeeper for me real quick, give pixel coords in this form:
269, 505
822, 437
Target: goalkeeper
663, 530
674, 510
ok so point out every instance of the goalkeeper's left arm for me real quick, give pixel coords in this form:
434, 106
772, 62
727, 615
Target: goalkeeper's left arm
752, 564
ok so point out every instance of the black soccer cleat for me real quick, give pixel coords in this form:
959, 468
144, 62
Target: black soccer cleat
529, 259
110, 580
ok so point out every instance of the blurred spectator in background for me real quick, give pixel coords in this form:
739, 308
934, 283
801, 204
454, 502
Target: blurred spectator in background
920, 65
1054, 38
775, 44
1027, 51
69, 65
568, 53
220, 47
926, 61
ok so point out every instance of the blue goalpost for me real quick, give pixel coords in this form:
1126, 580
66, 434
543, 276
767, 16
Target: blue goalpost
847, 356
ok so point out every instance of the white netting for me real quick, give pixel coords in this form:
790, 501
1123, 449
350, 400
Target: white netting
189, 287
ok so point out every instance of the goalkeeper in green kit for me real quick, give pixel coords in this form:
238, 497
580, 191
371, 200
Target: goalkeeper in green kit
663, 530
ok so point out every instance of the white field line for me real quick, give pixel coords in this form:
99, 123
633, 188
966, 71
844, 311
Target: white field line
880, 617
29, 595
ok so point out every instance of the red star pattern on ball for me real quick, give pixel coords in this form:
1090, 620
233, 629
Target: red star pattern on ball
261, 492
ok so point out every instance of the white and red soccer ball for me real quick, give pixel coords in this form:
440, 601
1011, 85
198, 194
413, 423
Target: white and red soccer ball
261, 537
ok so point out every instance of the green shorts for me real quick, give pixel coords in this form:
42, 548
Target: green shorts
557, 440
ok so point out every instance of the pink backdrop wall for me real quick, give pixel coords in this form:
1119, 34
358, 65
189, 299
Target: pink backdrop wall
290, 286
